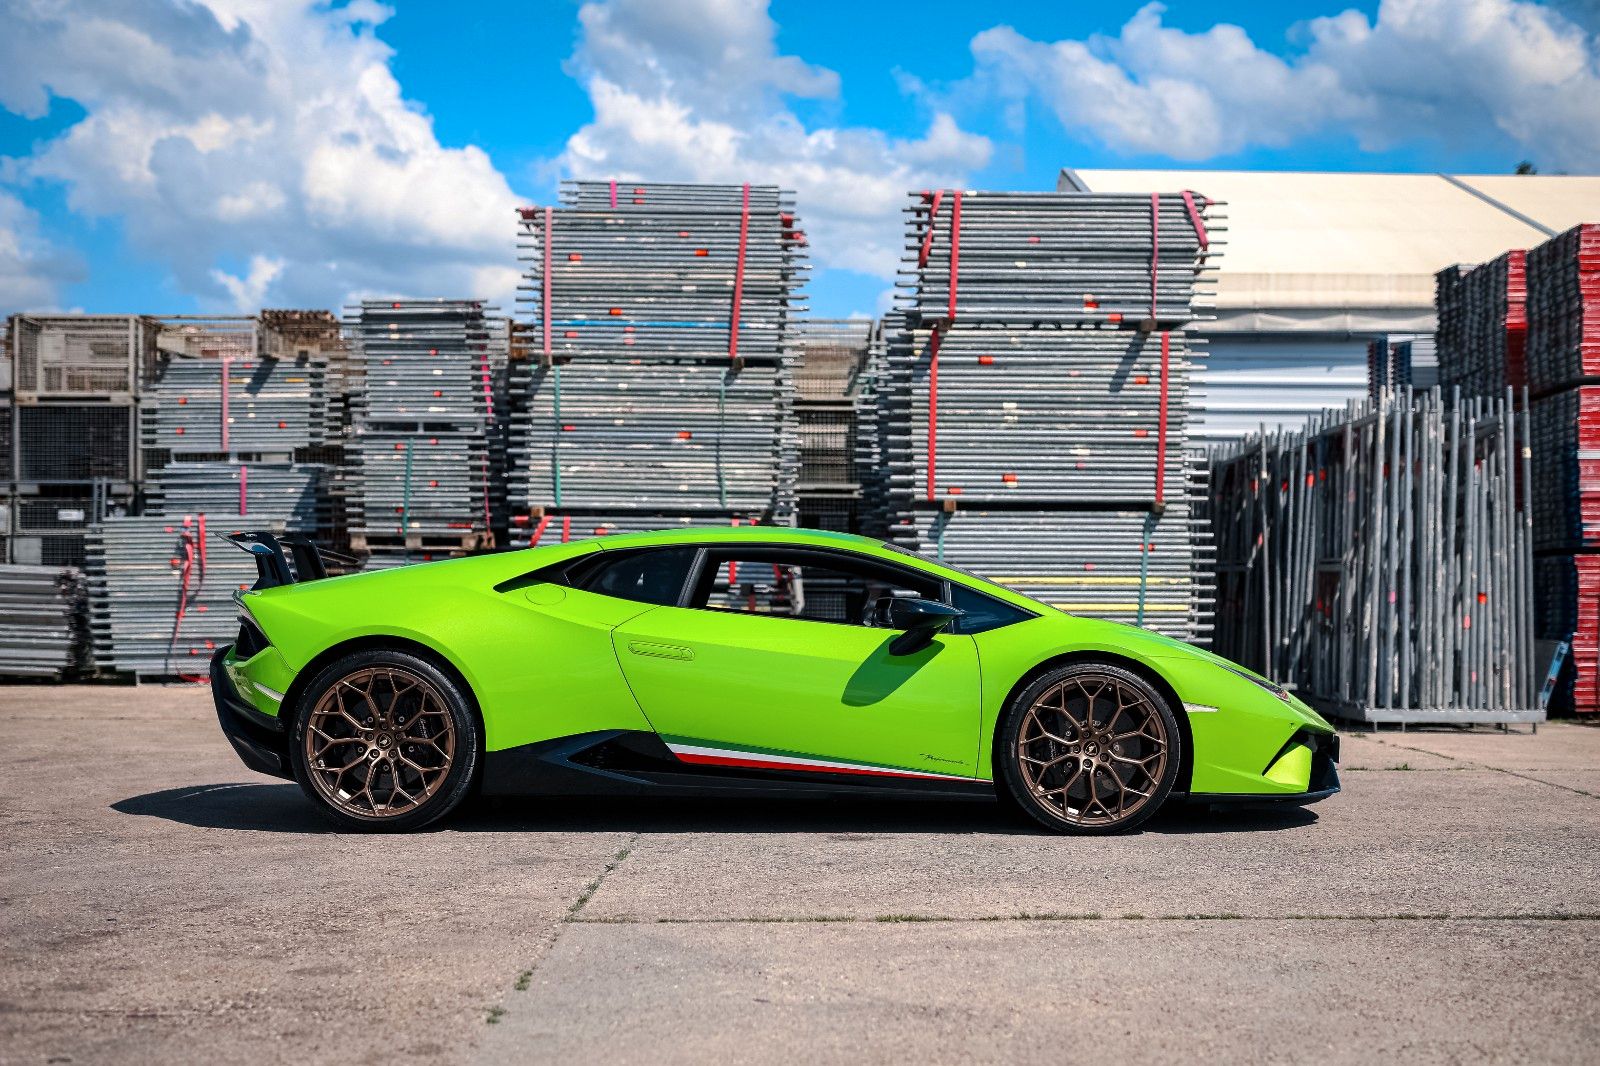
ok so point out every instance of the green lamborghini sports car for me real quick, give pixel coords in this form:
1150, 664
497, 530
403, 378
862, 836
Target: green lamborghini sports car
733, 662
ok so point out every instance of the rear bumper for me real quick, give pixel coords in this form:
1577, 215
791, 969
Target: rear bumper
258, 740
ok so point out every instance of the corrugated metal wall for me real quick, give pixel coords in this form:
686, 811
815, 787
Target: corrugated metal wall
1254, 381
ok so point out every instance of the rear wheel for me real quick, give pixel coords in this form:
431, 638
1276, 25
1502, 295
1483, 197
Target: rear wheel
1089, 748
384, 741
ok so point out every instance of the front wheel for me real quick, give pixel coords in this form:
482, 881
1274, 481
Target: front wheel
1089, 748
384, 741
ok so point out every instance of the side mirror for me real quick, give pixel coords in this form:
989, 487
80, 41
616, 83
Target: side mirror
920, 619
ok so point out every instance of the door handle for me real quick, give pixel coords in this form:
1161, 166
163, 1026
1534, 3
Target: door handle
660, 651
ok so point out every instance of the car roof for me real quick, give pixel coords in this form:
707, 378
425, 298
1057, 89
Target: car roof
815, 538
737, 534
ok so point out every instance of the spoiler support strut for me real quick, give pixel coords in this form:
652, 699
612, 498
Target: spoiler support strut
273, 563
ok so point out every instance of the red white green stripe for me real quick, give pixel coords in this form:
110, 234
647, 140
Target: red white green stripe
703, 755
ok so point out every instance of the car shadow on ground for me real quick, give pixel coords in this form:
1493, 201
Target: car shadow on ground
282, 808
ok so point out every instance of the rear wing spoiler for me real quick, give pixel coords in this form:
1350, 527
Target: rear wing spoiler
274, 553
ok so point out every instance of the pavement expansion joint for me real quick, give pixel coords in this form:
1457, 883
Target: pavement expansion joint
1542, 781
911, 919
594, 886
524, 979
1468, 764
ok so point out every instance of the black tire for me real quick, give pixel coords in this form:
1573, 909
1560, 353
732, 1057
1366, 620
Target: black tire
1059, 745
419, 742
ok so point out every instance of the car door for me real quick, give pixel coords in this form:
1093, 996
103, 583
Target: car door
767, 664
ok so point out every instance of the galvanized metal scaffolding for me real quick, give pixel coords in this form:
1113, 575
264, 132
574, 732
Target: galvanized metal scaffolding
161, 592
221, 425
424, 419
1035, 400
1379, 562
654, 379
41, 621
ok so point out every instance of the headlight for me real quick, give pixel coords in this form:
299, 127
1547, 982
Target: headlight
1277, 690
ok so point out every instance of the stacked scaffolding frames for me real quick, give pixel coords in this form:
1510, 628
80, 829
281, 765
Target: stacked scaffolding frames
424, 419
1034, 404
652, 383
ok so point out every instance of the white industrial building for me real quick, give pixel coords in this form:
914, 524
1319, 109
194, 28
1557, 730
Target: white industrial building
1315, 265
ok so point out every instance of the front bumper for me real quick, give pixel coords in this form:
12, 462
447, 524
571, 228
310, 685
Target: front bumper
259, 740
1322, 783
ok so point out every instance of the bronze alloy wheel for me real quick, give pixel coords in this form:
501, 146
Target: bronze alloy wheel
1092, 749
380, 742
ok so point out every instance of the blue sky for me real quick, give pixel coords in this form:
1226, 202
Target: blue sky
177, 157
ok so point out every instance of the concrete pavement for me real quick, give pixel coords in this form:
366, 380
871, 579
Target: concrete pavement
160, 903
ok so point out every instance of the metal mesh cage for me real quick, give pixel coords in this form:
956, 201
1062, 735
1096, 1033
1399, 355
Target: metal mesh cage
52, 514
6, 417
74, 442
827, 446
833, 354
79, 355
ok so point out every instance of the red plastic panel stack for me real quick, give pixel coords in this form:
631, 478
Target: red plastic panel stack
1564, 371
1566, 470
1567, 601
1483, 325
1564, 306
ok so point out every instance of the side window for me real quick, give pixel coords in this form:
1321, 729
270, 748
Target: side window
800, 586
653, 576
982, 612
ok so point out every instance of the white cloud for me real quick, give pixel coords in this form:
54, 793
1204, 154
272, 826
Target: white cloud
250, 291
266, 131
32, 271
1448, 69
697, 91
